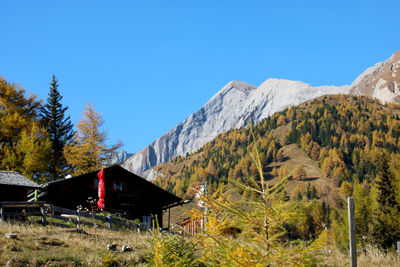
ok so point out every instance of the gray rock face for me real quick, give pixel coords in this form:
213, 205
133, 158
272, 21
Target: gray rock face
217, 115
381, 81
239, 102
119, 157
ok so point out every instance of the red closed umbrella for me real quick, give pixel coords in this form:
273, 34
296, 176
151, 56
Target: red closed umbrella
101, 189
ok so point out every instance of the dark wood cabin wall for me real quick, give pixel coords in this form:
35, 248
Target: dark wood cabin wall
13, 193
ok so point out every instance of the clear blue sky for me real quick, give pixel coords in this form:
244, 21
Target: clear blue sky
147, 65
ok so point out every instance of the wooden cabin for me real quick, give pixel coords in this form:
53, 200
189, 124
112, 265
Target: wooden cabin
15, 187
126, 193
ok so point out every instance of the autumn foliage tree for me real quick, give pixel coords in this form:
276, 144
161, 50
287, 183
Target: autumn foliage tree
299, 173
88, 151
25, 145
261, 227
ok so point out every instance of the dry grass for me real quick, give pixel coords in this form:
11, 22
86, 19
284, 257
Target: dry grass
54, 246
371, 257
37, 245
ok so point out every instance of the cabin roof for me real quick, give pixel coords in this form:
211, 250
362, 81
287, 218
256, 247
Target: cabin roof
16, 179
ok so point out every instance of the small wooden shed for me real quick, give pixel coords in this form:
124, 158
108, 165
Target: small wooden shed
15, 187
125, 192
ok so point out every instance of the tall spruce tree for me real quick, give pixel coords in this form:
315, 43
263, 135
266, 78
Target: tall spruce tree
59, 128
386, 229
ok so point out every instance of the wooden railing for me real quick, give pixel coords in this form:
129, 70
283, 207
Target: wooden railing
192, 225
48, 211
29, 209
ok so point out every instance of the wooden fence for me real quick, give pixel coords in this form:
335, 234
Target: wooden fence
22, 209
49, 212
192, 225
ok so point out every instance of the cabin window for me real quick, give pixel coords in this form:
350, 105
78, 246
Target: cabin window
147, 221
118, 186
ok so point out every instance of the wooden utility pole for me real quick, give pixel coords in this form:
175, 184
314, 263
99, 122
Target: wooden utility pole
352, 232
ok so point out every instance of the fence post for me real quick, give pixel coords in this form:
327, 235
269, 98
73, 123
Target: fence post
1, 213
78, 219
43, 210
352, 232
169, 219
109, 221
398, 248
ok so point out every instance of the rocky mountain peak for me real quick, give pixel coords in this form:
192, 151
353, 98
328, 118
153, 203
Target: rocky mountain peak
239, 102
231, 108
381, 81
244, 87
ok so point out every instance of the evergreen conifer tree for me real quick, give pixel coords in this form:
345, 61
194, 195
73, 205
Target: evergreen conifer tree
385, 183
386, 229
59, 128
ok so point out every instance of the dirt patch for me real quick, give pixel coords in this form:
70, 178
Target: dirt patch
281, 131
52, 242
77, 231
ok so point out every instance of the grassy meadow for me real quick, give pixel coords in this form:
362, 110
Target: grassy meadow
38, 245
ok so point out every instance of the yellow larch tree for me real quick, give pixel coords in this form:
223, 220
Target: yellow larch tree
88, 151
24, 145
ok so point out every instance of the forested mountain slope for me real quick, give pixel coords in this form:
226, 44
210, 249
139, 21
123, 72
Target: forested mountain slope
335, 139
231, 108
239, 102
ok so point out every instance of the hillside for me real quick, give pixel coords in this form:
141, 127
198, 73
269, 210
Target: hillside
239, 102
232, 107
335, 138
